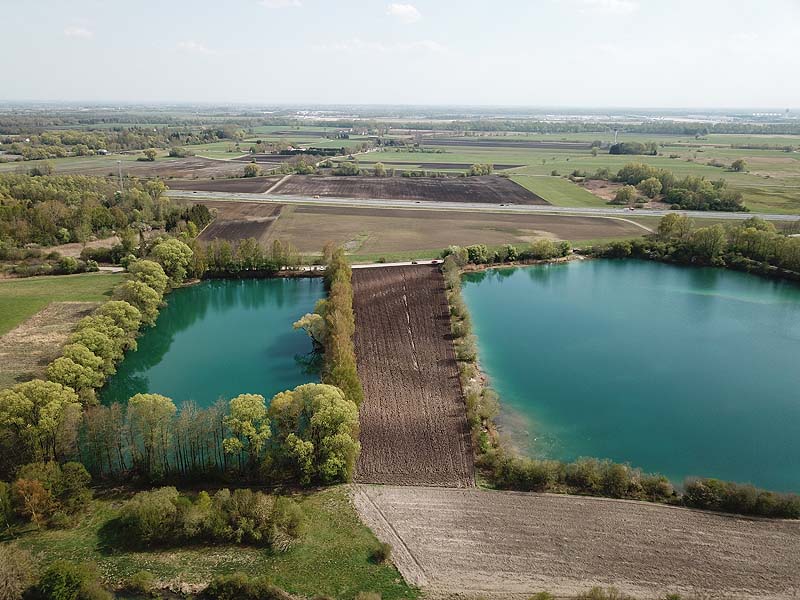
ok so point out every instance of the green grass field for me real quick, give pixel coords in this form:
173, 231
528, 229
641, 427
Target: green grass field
20, 299
332, 558
559, 191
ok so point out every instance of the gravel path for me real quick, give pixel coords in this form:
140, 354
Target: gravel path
483, 543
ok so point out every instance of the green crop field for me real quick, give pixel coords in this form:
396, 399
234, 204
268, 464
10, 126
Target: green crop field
558, 191
20, 299
332, 557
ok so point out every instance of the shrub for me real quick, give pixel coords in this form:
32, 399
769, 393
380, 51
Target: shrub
16, 572
368, 596
65, 580
382, 553
149, 517
239, 586
598, 593
542, 249
543, 596
141, 582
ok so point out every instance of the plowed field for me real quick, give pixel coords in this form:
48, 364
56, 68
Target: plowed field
236, 221
413, 420
484, 544
487, 190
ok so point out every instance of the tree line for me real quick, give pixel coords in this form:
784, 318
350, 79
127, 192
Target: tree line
60, 143
753, 245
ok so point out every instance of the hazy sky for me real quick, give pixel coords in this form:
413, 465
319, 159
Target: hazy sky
644, 53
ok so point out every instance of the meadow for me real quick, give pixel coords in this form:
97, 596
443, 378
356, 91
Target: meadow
20, 299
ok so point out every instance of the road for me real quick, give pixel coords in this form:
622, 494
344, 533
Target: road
471, 206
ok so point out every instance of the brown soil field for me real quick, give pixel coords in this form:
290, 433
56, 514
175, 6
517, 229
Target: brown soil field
236, 221
376, 230
480, 543
172, 168
442, 165
487, 190
511, 143
265, 160
26, 350
413, 420
242, 185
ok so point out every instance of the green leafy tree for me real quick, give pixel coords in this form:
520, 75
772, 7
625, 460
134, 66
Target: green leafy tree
674, 226
149, 154
380, 170
100, 345
174, 256
124, 315
142, 296
248, 422
739, 165
34, 415
149, 421
316, 429
650, 187
625, 195
67, 372
150, 273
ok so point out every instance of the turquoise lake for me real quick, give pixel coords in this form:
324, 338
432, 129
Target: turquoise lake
678, 370
219, 339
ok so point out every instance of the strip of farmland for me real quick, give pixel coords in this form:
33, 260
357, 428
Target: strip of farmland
413, 420
479, 543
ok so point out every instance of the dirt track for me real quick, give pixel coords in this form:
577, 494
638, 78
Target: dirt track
488, 190
413, 420
511, 545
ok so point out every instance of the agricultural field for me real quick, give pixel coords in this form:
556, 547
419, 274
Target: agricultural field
26, 350
413, 419
236, 221
480, 543
332, 558
372, 233
770, 184
38, 313
485, 190
243, 185
20, 299
163, 167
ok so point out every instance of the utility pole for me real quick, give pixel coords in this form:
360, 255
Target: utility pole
119, 169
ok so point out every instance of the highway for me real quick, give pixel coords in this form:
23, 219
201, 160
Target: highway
470, 206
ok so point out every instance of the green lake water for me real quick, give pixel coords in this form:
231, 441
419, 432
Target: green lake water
677, 370
220, 339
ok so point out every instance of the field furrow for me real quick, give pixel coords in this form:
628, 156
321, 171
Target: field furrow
413, 420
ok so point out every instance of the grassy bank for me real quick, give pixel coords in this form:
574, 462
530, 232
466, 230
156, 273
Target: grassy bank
333, 557
20, 299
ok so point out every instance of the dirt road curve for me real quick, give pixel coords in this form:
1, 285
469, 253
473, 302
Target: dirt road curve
507, 544
413, 420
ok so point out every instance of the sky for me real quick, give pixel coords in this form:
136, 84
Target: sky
535, 53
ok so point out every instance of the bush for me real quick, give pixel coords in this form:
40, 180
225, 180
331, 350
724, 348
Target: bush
141, 582
164, 517
716, 495
239, 586
382, 554
16, 572
65, 580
